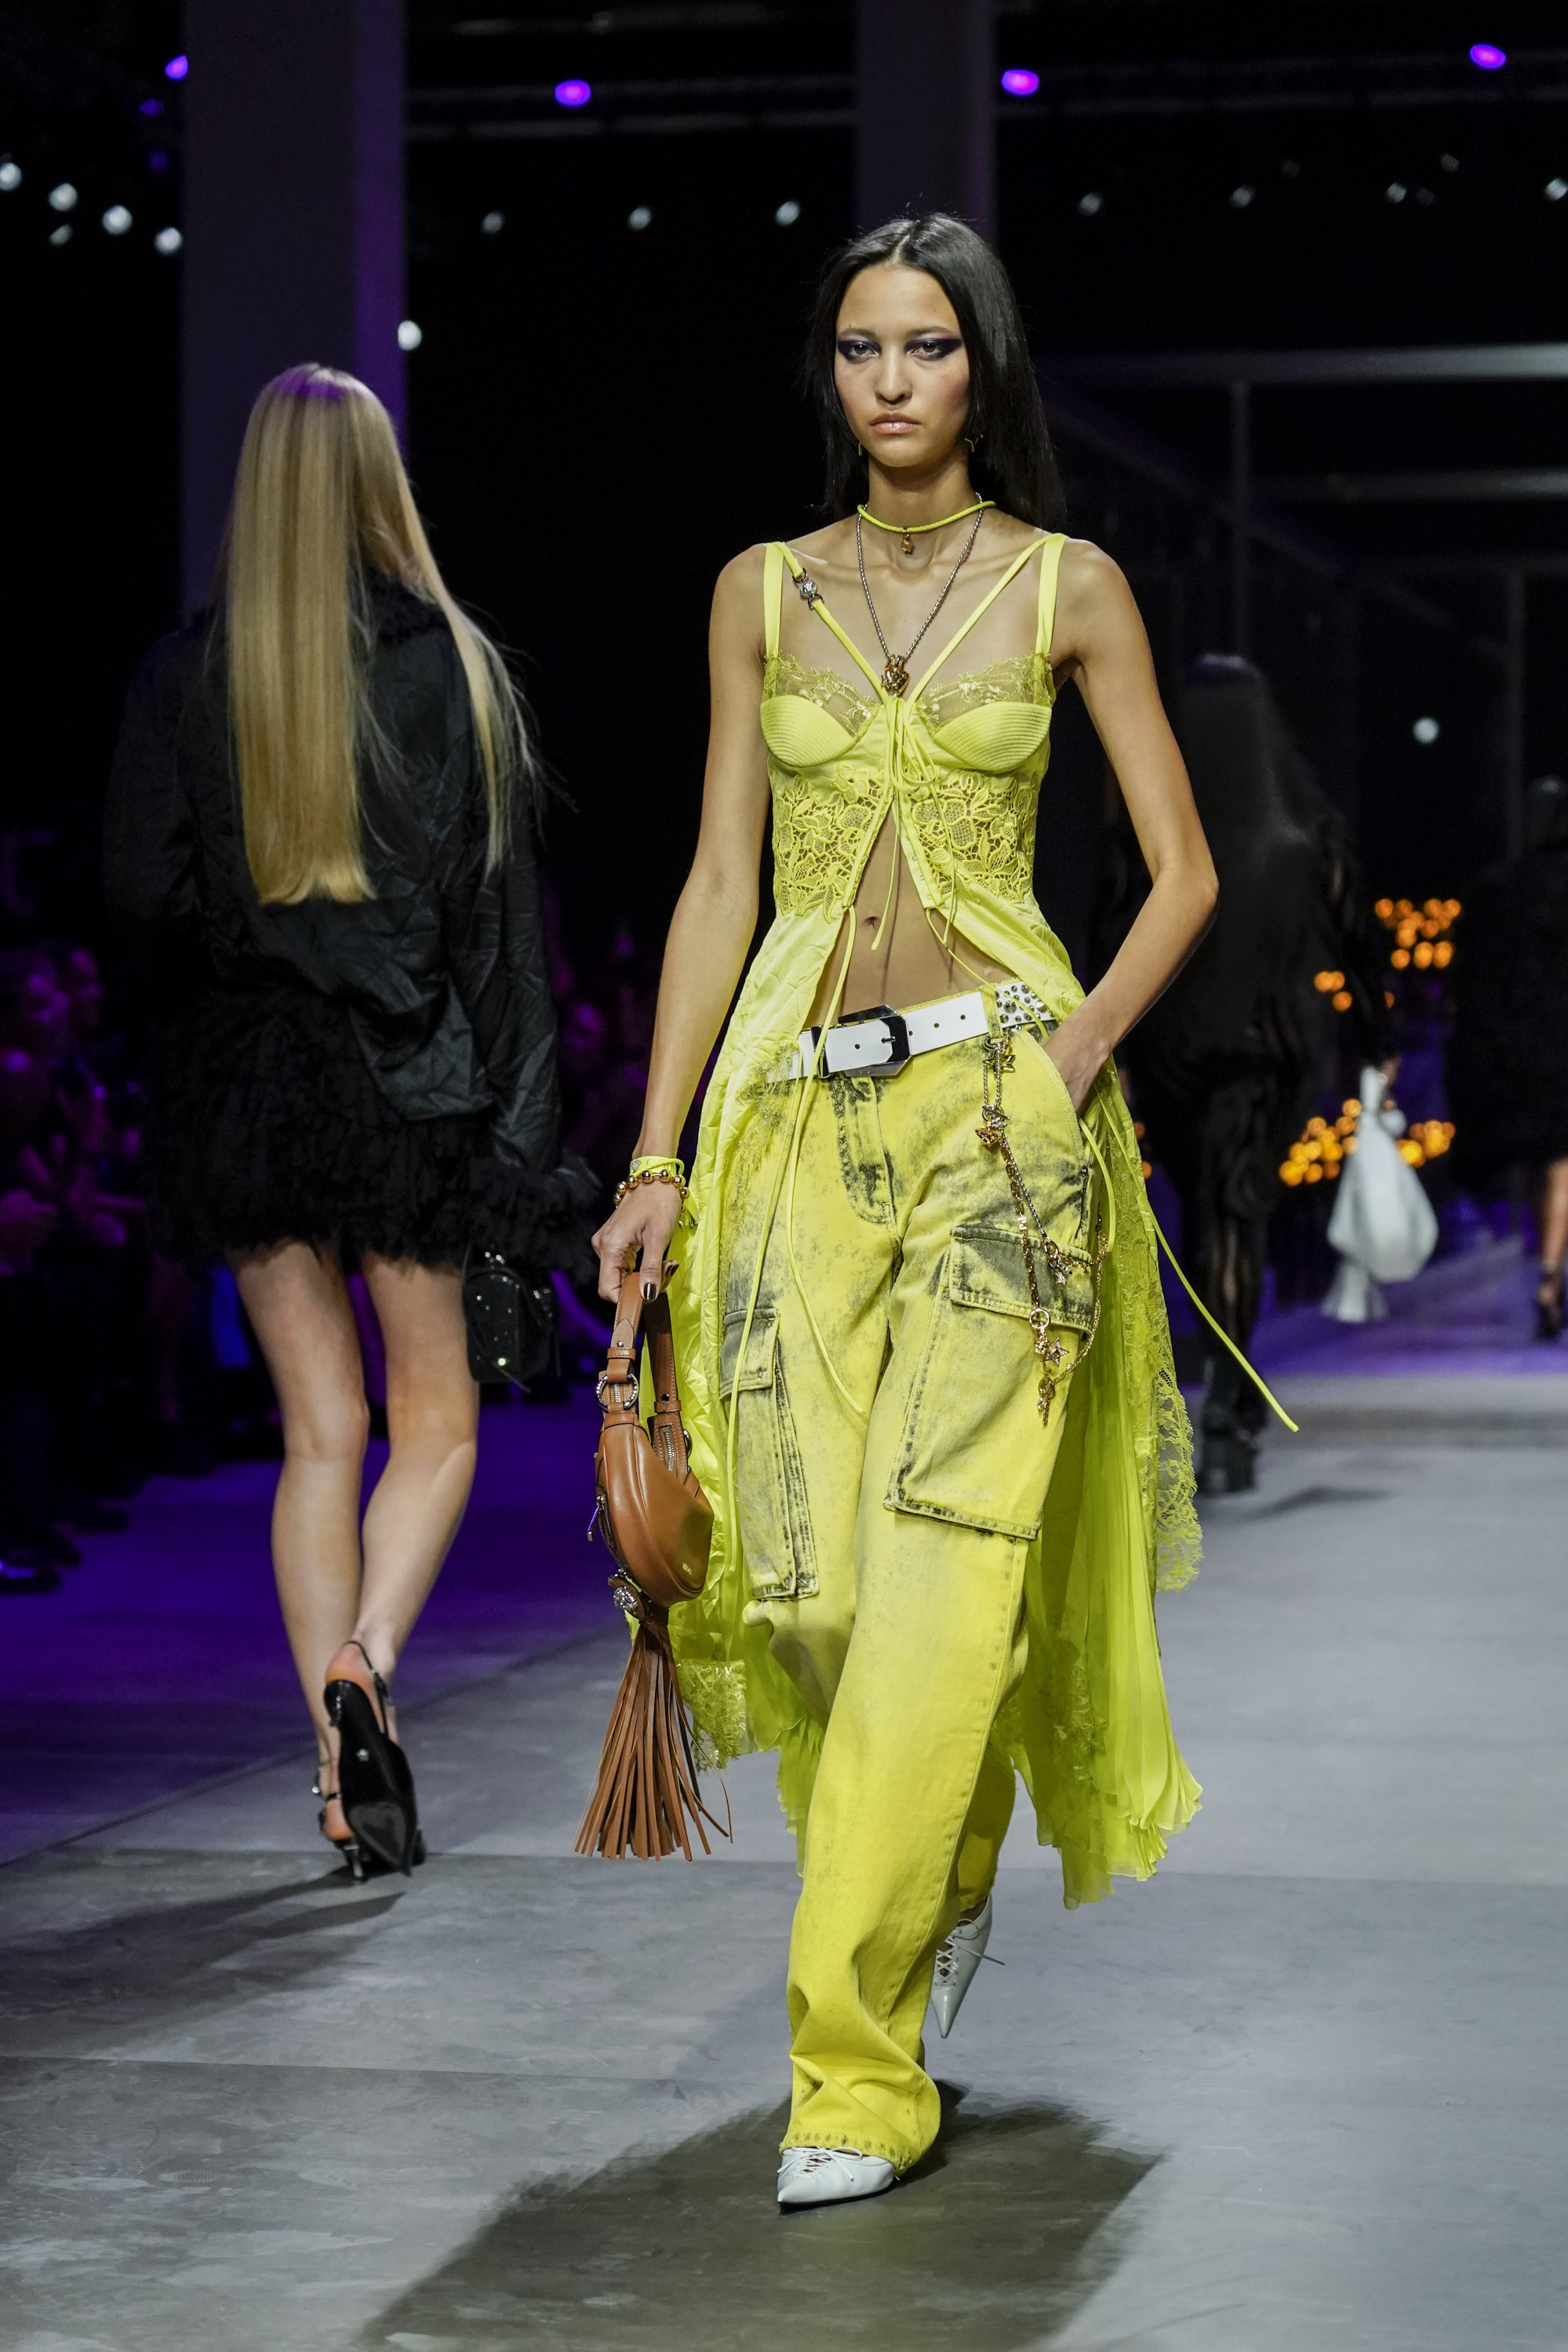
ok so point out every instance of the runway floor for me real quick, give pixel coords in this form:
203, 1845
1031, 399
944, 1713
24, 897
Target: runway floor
1305, 2092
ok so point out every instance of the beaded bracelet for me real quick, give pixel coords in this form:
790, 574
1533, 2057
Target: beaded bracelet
650, 1176
647, 1161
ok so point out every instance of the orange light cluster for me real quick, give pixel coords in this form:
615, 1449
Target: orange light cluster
1425, 1139
1321, 1151
1331, 983
1140, 1130
1322, 1148
1419, 932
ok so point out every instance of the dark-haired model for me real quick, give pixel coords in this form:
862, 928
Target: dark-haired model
923, 1348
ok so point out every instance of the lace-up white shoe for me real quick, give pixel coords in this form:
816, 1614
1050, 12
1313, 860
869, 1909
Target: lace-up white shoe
831, 2176
957, 1961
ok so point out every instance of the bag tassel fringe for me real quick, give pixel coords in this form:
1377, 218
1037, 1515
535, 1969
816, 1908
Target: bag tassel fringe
647, 1777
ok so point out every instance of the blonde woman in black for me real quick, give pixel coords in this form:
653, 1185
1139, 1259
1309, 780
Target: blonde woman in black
319, 819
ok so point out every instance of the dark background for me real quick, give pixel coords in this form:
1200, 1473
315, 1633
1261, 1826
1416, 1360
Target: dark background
600, 417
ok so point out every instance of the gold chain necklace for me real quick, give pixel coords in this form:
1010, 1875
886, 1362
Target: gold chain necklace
910, 532
895, 668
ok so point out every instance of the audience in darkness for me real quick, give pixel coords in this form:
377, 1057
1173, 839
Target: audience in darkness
116, 1363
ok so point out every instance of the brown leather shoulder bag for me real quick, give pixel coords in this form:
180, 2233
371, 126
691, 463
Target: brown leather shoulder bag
658, 1524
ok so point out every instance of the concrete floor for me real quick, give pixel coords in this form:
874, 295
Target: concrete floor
1305, 2092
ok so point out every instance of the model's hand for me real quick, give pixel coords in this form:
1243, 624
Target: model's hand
1079, 1056
644, 1220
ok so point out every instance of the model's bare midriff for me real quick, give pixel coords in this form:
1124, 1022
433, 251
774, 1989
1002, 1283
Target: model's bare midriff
914, 960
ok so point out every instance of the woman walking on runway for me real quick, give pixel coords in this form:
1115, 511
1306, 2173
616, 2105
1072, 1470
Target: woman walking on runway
319, 814
922, 1346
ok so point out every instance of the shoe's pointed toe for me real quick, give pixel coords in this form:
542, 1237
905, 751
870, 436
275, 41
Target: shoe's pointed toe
957, 1958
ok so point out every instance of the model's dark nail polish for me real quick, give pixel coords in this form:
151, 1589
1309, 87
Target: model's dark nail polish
649, 1291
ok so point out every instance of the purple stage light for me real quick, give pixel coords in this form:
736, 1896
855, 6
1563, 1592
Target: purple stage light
177, 68
1020, 83
1486, 55
152, 106
572, 93
157, 161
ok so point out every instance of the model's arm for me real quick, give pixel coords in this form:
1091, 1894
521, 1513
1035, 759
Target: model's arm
1100, 642
714, 918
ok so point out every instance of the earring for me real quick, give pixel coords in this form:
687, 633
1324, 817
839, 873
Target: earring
859, 451
971, 446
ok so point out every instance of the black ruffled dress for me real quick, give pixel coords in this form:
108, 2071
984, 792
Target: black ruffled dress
370, 1077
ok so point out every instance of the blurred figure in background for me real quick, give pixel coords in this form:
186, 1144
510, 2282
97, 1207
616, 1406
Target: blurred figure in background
1508, 1056
1226, 1066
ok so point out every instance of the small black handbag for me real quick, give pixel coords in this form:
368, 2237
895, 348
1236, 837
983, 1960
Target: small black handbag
513, 1319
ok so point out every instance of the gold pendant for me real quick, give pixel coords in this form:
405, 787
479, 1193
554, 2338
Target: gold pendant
895, 675
907, 542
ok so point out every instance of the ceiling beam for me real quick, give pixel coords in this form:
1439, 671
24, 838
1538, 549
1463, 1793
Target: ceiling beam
1415, 363
1091, 427
1477, 483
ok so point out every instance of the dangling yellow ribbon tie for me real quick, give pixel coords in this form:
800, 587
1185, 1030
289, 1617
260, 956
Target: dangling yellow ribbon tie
1262, 1385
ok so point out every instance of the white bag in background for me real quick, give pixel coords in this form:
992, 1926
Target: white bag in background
1383, 1224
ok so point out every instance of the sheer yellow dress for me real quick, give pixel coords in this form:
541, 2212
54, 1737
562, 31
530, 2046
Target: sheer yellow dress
958, 770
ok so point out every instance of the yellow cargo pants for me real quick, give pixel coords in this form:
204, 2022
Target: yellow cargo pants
891, 1466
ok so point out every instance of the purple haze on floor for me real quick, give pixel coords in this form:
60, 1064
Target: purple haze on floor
160, 1662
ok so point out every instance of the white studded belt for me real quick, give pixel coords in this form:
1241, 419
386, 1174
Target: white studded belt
881, 1041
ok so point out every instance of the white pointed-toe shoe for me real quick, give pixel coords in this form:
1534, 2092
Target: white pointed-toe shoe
831, 2176
957, 1961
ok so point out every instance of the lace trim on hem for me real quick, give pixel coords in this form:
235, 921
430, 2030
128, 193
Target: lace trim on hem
716, 1693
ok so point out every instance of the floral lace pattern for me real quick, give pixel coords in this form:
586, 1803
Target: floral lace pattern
715, 1690
984, 826
818, 840
783, 675
1024, 677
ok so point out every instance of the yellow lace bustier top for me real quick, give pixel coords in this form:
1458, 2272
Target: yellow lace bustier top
958, 764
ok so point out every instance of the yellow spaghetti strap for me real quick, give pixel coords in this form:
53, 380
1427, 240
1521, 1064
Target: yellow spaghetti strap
788, 1161
1264, 1390
772, 596
798, 571
1049, 573
984, 607
1259, 1383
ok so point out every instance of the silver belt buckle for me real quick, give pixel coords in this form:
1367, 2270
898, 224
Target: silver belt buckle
897, 1039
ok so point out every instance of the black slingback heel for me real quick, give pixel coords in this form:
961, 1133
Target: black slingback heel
374, 1782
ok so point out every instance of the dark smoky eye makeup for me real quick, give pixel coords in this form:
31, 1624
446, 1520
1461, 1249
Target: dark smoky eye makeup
856, 347
937, 347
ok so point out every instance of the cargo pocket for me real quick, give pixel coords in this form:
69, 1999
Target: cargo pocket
770, 1480
974, 1448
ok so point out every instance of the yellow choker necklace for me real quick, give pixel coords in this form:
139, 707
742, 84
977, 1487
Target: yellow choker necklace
909, 530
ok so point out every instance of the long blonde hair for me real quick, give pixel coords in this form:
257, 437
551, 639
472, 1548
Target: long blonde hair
320, 501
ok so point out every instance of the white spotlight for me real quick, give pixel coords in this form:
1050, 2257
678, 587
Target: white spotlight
61, 236
1556, 190
1242, 197
1396, 192
787, 214
117, 220
639, 217
10, 176
167, 240
1426, 731
409, 336
63, 198
493, 223
1090, 204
